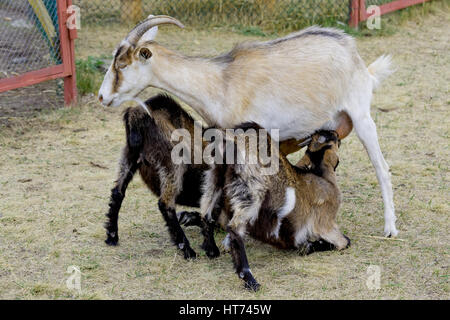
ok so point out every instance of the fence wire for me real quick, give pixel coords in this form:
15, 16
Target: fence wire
269, 15
29, 36
29, 41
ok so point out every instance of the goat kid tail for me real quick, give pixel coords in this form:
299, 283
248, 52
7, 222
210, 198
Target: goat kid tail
380, 69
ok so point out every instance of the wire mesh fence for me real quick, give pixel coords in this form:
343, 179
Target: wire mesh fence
29, 36
29, 41
270, 15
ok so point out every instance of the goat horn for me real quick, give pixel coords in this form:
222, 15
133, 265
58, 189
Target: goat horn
138, 31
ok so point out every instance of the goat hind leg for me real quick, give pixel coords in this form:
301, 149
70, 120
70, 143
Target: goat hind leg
176, 233
367, 133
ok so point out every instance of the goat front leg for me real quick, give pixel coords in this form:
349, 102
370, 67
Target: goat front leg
240, 260
208, 226
166, 205
128, 167
194, 219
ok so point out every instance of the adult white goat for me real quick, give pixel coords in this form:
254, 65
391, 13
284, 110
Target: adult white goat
300, 83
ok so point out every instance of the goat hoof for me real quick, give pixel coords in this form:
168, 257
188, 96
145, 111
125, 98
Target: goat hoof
252, 285
390, 230
112, 240
212, 252
189, 254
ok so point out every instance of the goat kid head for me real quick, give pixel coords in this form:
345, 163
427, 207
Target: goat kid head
131, 69
323, 147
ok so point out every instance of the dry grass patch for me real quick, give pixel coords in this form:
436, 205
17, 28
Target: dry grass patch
57, 170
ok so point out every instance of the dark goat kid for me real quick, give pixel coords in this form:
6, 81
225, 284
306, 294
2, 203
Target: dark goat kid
293, 209
148, 149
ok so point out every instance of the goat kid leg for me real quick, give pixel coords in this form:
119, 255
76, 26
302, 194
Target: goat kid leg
127, 170
240, 260
209, 243
194, 219
176, 233
331, 240
367, 133
336, 238
166, 205
189, 218
208, 227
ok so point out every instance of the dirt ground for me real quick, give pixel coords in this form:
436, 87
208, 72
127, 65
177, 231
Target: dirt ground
56, 172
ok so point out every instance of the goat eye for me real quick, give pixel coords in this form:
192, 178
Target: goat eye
145, 53
321, 139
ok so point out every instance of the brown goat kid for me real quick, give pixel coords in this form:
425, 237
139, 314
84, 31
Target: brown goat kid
294, 209
148, 149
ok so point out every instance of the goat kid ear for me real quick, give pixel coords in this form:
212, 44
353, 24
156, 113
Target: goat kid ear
145, 53
304, 143
150, 35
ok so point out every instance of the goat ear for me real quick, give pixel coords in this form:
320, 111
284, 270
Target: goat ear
145, 53
150, 35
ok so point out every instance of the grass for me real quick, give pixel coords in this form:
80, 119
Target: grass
54, 197
269, 15
260, 16
89, 74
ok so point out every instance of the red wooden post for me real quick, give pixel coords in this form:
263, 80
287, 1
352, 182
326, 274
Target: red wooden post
354, 13
67, 53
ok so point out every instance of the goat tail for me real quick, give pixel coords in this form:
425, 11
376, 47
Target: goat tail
380, 69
